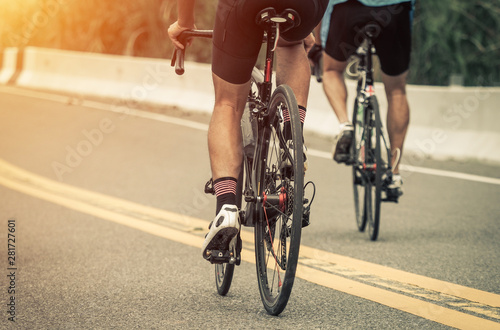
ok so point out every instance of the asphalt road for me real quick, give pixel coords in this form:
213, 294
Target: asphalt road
106, 208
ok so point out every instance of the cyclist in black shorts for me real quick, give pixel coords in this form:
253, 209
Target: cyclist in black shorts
341, 34
236, 44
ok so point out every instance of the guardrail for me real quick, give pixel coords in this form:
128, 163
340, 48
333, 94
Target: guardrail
446, 122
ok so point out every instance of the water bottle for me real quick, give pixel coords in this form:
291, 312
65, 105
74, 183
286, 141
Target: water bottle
248, 131
360, 119
359, 130
360, 114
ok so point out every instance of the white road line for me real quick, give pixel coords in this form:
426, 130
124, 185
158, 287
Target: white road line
423, 170
203, 127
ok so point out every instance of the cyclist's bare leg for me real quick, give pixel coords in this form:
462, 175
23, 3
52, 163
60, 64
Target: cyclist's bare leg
224, 132
334, 86
293, 69
398, 113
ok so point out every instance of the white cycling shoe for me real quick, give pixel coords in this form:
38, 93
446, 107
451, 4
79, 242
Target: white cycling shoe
223, 229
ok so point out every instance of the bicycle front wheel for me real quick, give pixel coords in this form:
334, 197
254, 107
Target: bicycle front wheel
358, 173
224, 272
280, 173
223, 277
377, 156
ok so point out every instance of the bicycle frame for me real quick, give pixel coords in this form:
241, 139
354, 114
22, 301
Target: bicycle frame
365, 91
260, 111
371, 172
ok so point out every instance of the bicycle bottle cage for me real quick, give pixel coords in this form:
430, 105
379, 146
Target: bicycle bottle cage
288, 19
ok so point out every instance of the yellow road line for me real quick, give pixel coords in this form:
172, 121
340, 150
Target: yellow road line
316, 266
420, 281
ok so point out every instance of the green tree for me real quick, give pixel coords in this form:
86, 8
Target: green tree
449, 36
456, 37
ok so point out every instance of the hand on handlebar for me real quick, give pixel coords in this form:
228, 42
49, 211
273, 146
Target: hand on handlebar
174, 31
309, 42
314, 56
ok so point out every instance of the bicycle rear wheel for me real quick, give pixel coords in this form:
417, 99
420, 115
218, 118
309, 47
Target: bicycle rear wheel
280, 173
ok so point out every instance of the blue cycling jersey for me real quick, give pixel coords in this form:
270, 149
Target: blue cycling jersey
372, 3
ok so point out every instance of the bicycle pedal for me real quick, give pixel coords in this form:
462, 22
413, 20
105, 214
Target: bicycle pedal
231, 255
392, 199
307, 209
305, 217
209, 187
219, 256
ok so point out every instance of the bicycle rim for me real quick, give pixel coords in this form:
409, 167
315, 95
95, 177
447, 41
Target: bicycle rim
357, 150
279, 224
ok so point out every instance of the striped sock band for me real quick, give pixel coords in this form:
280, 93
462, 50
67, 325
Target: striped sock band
302, 114
225, 191
286, 115
286, 119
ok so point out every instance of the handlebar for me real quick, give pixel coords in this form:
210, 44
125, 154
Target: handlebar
315, 55
178, 55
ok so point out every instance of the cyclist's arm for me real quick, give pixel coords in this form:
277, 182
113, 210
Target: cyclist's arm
317, 34
185, 21
315, 51
309, 42
185, 13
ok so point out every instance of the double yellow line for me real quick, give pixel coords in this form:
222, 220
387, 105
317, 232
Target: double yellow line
447, 303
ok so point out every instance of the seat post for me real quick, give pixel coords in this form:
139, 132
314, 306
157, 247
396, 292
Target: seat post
272, 24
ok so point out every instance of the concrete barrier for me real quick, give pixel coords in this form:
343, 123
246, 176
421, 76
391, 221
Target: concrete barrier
9, 65
125, 79
446, 122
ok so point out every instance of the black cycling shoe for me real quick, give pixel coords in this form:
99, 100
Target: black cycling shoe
342, 151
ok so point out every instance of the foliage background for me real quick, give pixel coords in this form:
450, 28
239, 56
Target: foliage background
451, 37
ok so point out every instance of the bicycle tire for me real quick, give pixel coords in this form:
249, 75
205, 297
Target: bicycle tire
223, 277
375, 196
224, 272
278, 227
373, 189
359, 189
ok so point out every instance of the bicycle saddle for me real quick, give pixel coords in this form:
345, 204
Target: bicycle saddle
288, 19
371, 30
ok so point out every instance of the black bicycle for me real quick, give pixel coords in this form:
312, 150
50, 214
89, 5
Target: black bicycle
271, 187
370, 151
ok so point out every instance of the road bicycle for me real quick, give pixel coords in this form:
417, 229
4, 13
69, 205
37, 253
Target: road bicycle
270, 190
371, 156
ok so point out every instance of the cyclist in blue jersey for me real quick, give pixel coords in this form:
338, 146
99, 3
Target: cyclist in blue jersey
236, 44
340, 37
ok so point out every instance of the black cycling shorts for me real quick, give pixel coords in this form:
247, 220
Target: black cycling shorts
392, 44
237, 39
